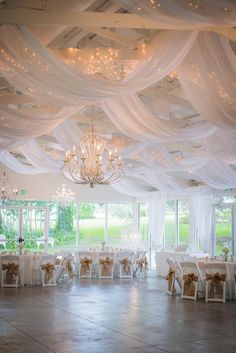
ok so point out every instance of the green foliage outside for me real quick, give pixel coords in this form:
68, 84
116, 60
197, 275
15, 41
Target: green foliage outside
63, 225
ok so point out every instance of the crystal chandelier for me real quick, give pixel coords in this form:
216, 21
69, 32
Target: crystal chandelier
91, 163
7, 192
63, 195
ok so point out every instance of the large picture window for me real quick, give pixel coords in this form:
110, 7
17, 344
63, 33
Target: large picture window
177, 230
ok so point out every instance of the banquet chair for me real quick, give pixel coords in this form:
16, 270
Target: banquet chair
64, 268
48, 271
216, 282
174, 275
105, 264
190, 280
10, 271
85, 264
125, 260
142, 266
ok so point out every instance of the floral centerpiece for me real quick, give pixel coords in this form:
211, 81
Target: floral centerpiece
20, 244
225, 251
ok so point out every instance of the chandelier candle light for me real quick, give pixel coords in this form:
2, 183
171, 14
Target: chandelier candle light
91, 163
6, 191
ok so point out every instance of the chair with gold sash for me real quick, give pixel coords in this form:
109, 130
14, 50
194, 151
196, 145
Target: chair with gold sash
125, 260
64, 268
106, 264
48, 271
10, 271
190, 280
216, 282
174, 276
85, 259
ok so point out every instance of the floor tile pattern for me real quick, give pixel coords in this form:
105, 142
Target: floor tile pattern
112, 316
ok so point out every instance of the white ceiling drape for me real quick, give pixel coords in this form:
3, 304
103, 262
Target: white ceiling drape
183, 13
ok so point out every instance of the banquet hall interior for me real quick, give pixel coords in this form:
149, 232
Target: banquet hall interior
118, 176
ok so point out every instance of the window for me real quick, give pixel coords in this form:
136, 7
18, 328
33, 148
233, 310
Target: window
143, 223
120, 222
9, 227
91, 223
183, 222
177, 230
62, 226
223, 229
170, 225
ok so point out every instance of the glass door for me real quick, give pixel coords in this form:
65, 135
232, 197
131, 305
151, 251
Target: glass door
9, 227
33, 228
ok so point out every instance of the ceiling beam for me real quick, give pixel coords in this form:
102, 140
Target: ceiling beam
116, 37
83, 19
71, 38
170, 98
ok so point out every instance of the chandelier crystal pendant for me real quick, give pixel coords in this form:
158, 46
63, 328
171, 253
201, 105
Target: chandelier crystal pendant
91, 163
63, 195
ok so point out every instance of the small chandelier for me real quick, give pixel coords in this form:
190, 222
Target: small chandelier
7, 193
63, 195
91, 163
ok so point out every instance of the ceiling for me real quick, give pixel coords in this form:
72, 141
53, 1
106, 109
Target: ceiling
104, 28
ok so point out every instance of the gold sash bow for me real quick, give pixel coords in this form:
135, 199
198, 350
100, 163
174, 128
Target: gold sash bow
106, 265
85, 265
125, 264
12, 271
170, 277
142, 264
215, 283
189, 286
49, 269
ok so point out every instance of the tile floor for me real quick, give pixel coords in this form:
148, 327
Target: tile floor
119, 316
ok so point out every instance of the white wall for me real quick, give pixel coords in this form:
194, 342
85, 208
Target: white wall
40, 187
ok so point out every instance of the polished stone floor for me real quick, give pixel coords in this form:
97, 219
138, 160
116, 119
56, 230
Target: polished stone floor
119, 316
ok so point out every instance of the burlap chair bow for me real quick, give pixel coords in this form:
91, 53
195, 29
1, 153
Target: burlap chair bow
215, 283
85, 266
142, 264
49, 269
12, 271
107, 264
189, 286
125, 265
170, 278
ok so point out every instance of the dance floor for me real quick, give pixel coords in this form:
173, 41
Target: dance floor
112, 316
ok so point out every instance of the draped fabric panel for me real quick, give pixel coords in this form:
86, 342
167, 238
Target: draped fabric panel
34, 70
183, 13
133, 118
14, 126
14, 164
67, 134
38, 158
201, 214
208, 77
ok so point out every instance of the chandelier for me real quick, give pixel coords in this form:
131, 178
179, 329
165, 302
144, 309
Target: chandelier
63, 195
91, 163
7, 192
